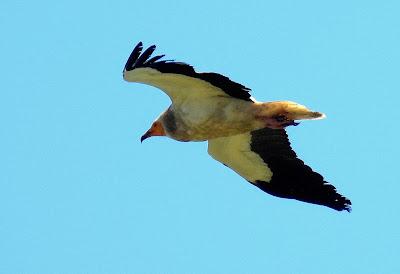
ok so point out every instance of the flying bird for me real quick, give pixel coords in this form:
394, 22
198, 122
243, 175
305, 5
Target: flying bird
243, 134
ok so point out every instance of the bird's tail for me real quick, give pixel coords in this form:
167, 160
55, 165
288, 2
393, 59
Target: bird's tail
279, 114
299, 112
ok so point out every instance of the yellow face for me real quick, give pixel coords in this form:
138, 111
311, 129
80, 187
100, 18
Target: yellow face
156, 129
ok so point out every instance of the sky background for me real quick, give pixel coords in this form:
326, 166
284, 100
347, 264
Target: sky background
79, 193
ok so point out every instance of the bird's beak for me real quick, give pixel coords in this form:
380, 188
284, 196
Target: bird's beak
145, 136
155, 130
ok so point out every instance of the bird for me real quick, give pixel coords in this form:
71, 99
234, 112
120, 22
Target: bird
243, 134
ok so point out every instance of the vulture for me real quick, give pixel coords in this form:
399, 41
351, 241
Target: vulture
245, 135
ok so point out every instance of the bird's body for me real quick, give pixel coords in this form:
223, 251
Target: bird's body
214, 120
243, 134
206, 119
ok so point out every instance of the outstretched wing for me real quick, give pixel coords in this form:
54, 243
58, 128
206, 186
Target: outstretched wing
179, 80
264, 158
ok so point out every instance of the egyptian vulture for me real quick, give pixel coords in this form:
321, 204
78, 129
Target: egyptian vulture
243, 134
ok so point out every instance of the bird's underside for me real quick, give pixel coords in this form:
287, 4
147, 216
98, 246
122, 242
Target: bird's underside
221, 118
243, 134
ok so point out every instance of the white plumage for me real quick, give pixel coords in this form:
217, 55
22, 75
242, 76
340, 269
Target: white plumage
235, 152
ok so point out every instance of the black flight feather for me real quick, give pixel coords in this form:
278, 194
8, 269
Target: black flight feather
144, 56
291, 178
153, 59
137, 59
130, 63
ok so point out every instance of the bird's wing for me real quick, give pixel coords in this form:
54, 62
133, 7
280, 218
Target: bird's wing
179, 80
264, 158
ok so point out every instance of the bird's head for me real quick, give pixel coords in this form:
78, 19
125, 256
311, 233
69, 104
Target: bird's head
156, 129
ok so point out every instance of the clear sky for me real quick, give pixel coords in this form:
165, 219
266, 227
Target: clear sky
79, 193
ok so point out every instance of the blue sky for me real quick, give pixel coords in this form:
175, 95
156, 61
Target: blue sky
80, 194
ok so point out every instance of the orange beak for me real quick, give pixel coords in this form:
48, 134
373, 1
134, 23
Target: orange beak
155, 130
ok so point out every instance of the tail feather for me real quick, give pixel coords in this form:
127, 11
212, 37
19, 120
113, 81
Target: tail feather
299, 112
293, 111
